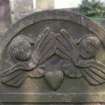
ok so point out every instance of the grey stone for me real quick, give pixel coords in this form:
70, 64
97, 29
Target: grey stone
53, 57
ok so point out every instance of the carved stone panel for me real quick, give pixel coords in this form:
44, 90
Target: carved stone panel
53, 57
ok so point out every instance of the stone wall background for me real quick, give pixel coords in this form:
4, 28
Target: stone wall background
5, 18
13, 10
20, 8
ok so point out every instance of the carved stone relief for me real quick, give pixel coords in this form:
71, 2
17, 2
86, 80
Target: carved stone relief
76, 59
54, 51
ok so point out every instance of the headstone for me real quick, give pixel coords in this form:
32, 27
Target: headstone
53, 57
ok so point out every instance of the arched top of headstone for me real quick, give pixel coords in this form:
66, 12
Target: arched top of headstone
64, 15
53, 45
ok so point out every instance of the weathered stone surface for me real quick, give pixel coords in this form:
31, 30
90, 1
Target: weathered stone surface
44, 4
53, 57
5, 19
